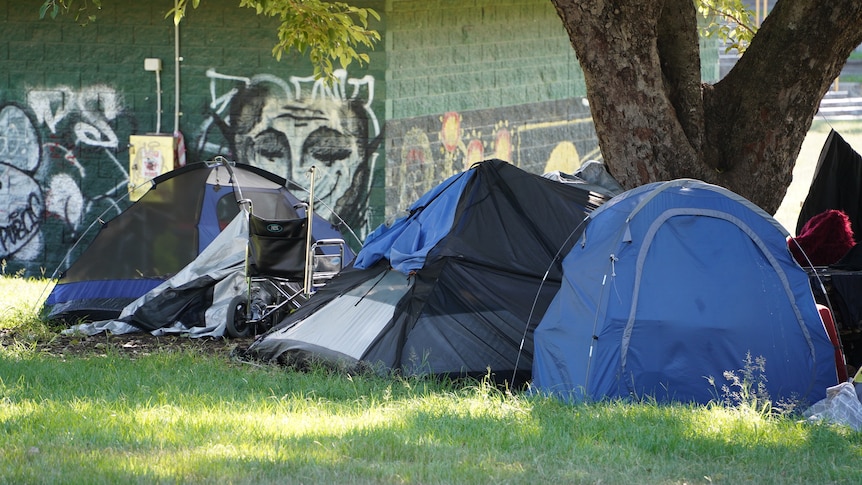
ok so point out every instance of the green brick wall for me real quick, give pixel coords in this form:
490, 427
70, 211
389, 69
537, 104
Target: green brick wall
475, 80
449, 55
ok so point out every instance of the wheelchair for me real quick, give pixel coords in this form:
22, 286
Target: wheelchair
284, 266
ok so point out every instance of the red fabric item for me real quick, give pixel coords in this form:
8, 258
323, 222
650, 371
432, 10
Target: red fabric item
825, 239
829, 323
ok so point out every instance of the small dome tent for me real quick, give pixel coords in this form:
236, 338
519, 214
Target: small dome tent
674, 283
164, 231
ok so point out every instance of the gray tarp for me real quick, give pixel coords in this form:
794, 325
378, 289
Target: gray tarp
592, 175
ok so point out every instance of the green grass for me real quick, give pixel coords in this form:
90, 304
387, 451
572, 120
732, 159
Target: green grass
850, 78
186, 417
20, 302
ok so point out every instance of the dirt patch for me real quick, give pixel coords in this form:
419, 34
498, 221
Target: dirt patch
133, 345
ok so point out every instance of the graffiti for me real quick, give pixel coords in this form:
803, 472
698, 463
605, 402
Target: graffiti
60, 149
502, 141
20, 195
19, 142
416, 166
560, 142
43, 186
288, 126
20, 217
92, 108
21, 224
48, 198
64, 199
454, 147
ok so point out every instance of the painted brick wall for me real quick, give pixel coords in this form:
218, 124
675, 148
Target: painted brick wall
473, 80
231, 83
71, 97
537, 137
451, 83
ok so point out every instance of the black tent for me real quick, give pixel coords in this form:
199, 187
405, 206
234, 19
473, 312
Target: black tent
837, 184
455, 287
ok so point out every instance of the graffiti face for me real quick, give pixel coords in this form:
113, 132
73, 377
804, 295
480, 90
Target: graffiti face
288, 138
287, 126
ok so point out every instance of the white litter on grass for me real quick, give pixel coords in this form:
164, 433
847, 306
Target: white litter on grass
841, 406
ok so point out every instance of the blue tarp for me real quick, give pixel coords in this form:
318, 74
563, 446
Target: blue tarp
406, 242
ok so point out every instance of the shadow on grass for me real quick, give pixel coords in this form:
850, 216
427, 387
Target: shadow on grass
193, 419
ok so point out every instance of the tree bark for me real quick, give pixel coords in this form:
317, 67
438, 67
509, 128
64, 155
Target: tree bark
656, 120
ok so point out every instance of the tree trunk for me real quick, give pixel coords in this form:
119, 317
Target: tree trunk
656, 120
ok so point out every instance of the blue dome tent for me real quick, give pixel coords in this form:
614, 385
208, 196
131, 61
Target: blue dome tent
671, 284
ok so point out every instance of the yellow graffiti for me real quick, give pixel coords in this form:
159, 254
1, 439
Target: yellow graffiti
564, 157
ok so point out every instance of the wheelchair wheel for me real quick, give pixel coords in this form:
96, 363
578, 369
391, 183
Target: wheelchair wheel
238, 324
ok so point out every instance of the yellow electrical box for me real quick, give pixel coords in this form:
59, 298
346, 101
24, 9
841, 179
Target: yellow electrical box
149, 157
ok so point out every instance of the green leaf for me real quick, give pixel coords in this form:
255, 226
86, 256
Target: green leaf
730, 21
325, 31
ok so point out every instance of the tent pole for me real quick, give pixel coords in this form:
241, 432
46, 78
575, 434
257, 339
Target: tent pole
309, 257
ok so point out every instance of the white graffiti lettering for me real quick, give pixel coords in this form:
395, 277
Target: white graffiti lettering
305, 88
93, 108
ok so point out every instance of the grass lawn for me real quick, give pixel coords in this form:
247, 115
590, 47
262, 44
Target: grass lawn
182, 416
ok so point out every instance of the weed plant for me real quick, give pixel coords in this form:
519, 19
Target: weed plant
746, 391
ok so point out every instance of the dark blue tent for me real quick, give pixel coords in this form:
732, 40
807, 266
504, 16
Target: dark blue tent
671, 284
